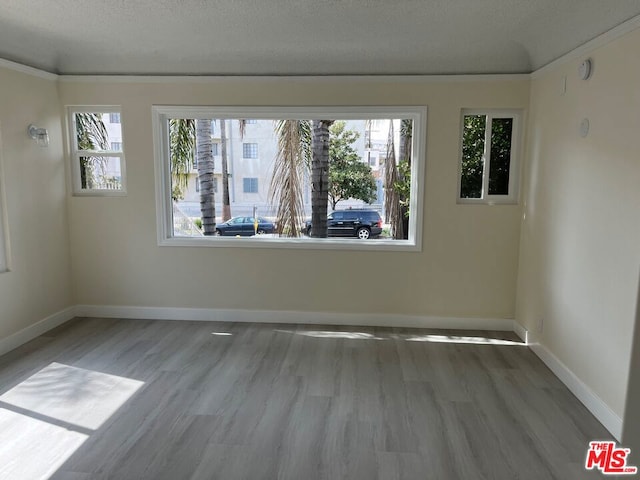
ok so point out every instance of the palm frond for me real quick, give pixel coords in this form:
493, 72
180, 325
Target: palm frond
182, 142
286, 189
91, 132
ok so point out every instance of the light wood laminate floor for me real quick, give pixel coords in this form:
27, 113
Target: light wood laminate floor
138, 399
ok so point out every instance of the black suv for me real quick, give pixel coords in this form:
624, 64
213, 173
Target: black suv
351, 223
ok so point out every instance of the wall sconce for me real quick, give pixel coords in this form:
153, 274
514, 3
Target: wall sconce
40, 135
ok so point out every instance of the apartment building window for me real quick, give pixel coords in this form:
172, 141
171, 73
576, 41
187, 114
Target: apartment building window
489, 160
98, 165
250, 185
250, 121
114, 117
215, 149
249, 150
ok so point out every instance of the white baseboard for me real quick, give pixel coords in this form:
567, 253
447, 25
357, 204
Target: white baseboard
522, 332
594, 404
288, 316
32, 331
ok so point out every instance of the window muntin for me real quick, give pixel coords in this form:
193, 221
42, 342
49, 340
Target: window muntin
96, 151
488, 165
162, 115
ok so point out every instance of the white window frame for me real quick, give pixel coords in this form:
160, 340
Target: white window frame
75, 154
5, 265
164, 208
514, 163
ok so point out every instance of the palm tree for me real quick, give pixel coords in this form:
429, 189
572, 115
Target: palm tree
226, 204
204, 152
319, 177
392, 208
286, 189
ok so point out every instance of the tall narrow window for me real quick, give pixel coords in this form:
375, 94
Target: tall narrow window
488, 168
96, 151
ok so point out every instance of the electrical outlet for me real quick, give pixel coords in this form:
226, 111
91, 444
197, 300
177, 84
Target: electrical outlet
540, 325
563, 86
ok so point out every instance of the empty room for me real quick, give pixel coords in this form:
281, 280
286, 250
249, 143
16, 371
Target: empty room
319, 240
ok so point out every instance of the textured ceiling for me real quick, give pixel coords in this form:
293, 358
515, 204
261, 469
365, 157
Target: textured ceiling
300, 37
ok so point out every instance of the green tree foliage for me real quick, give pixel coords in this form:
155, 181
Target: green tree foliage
474, 153
349, 177
472, 156
403, 186
501, 132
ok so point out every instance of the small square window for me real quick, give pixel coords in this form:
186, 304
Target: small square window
249, 150
250, 185
488, 166
96, 151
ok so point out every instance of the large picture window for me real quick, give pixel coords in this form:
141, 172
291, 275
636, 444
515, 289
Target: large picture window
314, 184
96, 151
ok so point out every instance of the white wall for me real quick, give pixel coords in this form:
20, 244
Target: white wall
38, 284
580, 247
467, 268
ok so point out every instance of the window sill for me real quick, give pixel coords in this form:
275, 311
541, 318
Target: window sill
305, 243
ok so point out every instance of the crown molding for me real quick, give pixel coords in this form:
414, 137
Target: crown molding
34, 72
293, 78
593, 44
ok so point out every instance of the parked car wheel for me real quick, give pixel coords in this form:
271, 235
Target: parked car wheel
363, 233
218, 233
261, 232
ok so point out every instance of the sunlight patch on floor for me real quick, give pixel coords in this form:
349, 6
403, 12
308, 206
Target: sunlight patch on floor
33, 449
73, 395
462, 339
471, 340
332, 334
48, 416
